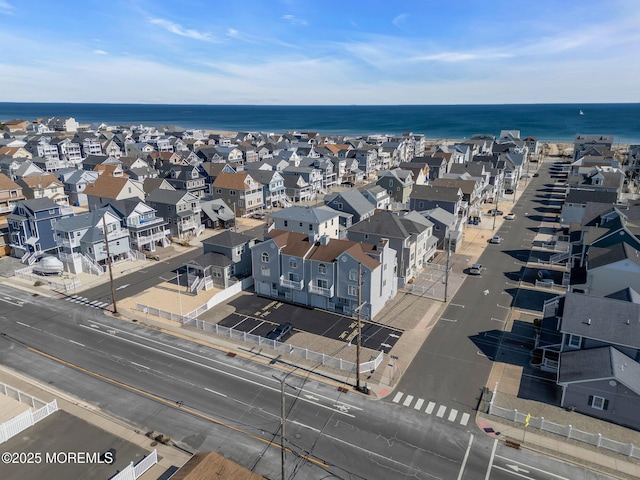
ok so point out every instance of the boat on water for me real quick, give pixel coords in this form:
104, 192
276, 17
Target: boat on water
581, 112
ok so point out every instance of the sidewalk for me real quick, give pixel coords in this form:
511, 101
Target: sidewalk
167, 456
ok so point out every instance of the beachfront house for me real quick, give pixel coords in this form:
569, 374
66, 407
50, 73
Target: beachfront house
181, 210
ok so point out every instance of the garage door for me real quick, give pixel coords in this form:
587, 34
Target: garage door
264, 288
318, 301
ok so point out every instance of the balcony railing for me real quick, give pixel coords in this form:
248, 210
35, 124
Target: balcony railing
291, 284
141, 239
326, 292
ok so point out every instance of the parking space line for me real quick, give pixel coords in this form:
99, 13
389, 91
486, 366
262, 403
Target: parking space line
408, 400
430, 407
397, 398
241, 321
257, 326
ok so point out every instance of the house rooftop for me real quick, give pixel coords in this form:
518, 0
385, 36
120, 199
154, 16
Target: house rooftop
305, 214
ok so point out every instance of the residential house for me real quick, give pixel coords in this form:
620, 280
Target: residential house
575, 203
297, 188
472, 190
273, 189
151, 184
82, 245
30, 227
312, 176
10, 194
420, 171
146, 230
216, 214
210, 172
226, 258
446, 228
62, 124
435, 166
584, 142
68, 150
240, 191
352, 202
378, 197
181, 210
336, 275
187, 178
427, 197
15, 152
40, 186
314, 221
107, 188
409, 234
594, 345
398, 183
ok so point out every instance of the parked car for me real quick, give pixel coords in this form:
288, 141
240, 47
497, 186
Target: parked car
510, 216
508, 191
535, 174
496, 239
544, 276
280, 332
258, 216
476, 269
494, 212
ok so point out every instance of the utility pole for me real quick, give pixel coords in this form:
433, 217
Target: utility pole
446, 272
106, 242
282, 422
179, 296
495, 210
359, 327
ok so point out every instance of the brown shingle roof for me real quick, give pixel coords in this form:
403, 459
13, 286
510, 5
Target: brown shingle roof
7, 184
232, 181
41, 181
106, 186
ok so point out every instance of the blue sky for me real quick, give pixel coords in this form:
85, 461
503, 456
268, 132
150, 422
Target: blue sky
320, 52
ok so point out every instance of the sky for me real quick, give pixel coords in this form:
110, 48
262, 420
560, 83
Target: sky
324, 52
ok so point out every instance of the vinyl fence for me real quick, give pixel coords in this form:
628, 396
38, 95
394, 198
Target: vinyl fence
567, 431
242, 336
61, 285
133, 472
21, 422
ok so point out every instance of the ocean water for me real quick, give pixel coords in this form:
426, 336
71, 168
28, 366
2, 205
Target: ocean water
555, 122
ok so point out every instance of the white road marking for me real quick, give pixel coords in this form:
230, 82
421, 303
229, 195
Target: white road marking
453, 413
493, 454
430, 407
77, 343
466, 456
8, 300
397, 398
465, 419
257, 326
456, 305
497, 320
408, 400
441, 410
213, 391
448, 320
123, 286
167, 347
140, 365
418, 404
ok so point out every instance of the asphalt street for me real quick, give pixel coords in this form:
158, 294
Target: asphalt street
453, 365
205, 400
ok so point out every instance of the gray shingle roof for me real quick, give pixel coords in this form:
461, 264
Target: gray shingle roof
602, 319
305, 214
354, 198
228, 239
599, 364
598, 257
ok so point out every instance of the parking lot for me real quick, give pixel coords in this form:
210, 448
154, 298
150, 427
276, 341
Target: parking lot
259, 316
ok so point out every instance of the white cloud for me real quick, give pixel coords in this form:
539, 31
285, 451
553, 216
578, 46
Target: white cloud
177, 29
292, 19
6, 8
399, 20
100, 52
453, 57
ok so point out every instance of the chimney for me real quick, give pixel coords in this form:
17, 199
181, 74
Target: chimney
589, 322
324, 239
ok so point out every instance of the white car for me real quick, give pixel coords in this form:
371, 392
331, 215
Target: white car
510, 216
476, 269
496, 239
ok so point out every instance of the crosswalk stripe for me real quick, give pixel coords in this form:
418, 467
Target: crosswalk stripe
464, 419
452, 415
430, 407
419, 403
398, 396
94, 302
102, 304
408, 400
441, 411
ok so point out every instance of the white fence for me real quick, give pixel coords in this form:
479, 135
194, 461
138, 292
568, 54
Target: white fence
286, 348
63, 285
595, 439
21, 422
132, 472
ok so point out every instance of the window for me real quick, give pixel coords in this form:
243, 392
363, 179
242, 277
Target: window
575, 341
311, 227
265, 271
353, 290
293, 263
322, 283
293, 277
353, 274
286, 223
300, 223
218, 190
599, 403
232, 193
322, 268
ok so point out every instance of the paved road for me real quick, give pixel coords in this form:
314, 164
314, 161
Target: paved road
453, 365
205, 400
